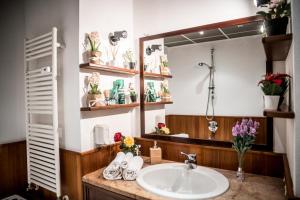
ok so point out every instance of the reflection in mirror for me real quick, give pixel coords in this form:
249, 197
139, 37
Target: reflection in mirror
198, 85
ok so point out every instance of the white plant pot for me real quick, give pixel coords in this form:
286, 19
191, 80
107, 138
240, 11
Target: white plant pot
271, 102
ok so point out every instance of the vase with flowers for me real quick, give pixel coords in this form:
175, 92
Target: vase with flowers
274, 87
94, 95
244, 134
162, 129
277, 16
129, 59
127, 143
93, 43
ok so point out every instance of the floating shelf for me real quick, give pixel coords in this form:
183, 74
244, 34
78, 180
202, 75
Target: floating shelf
109, 107
119, 70
277, 47
284, 112
158, 103
155, 75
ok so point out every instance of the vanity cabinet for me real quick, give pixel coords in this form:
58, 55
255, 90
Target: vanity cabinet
91, 192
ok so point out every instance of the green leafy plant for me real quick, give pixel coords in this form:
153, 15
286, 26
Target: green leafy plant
128, 56
93, 41
276, 9
275, 84
94, 83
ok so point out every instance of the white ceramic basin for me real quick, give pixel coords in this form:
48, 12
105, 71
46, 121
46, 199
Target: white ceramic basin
174, 181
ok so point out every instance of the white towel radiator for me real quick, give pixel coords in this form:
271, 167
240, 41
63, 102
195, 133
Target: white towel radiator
41, 112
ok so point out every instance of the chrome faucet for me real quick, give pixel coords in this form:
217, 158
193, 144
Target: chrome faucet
191, 160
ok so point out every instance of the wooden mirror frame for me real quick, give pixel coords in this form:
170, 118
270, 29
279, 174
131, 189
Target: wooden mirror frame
262, 147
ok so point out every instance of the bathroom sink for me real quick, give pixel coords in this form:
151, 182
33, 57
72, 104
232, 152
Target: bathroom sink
175, 181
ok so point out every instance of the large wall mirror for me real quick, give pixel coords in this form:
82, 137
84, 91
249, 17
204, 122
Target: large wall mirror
198, 82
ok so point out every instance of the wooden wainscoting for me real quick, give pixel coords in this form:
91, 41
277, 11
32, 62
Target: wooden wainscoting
196, 126
262, 163
13, 173
73, 166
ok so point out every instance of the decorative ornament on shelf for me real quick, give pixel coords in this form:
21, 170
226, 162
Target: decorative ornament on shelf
92, 44
129, 59
162, 129
244, 135
132, 92
274, 87
164, 69
277, 17
165, 92
127, 143
150, 94
114, 52
94, 96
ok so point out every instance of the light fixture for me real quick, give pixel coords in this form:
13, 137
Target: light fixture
259, 3
201, 32
116, 36
154, 47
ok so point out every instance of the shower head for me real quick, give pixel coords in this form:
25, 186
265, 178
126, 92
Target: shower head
204, 64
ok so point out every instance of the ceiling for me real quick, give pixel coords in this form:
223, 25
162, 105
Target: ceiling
230, 32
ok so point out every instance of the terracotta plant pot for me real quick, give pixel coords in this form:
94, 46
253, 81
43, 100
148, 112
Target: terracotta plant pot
276, 26
92, 100
95, 57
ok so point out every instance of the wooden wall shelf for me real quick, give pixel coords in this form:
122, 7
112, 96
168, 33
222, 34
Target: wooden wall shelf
96, 67
277, 47
284, 112
109, 107
158, 103
156, 76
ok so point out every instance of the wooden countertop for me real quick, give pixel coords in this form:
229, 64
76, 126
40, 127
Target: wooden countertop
254, 187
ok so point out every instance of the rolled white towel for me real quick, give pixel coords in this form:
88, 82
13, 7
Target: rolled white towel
134, 166
113, 171
128, 157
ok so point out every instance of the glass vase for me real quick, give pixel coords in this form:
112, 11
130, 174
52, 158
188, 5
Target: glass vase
240, 174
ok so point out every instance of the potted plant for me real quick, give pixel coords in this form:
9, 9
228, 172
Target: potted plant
277, 16
128, 58
93, 42
94, 94
274, 86
165, 92
162, 129
127, 143
244, 134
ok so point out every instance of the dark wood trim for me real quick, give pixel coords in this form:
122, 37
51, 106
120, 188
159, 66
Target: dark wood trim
256, 162
289, 188
277, 47
267, 147
155, 75
110, 107
204, 27
96, 67
158, 103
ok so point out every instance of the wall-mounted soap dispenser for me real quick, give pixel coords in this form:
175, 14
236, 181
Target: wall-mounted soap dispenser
155, 154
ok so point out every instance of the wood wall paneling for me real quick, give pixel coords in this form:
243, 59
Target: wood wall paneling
73, 166
257, 162
197, 127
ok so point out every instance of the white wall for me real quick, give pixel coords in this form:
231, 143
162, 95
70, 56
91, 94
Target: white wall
107, 16
293, 125
41, 16
239, 64
12, 123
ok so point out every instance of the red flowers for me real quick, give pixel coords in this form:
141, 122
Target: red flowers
160, 125
275, 84
118, 137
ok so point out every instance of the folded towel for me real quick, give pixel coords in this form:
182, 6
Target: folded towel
113, 171
128, 157
134, 166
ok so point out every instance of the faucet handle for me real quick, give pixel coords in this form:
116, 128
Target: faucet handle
191, 157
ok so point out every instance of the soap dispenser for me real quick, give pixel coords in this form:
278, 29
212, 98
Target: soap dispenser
155, 154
